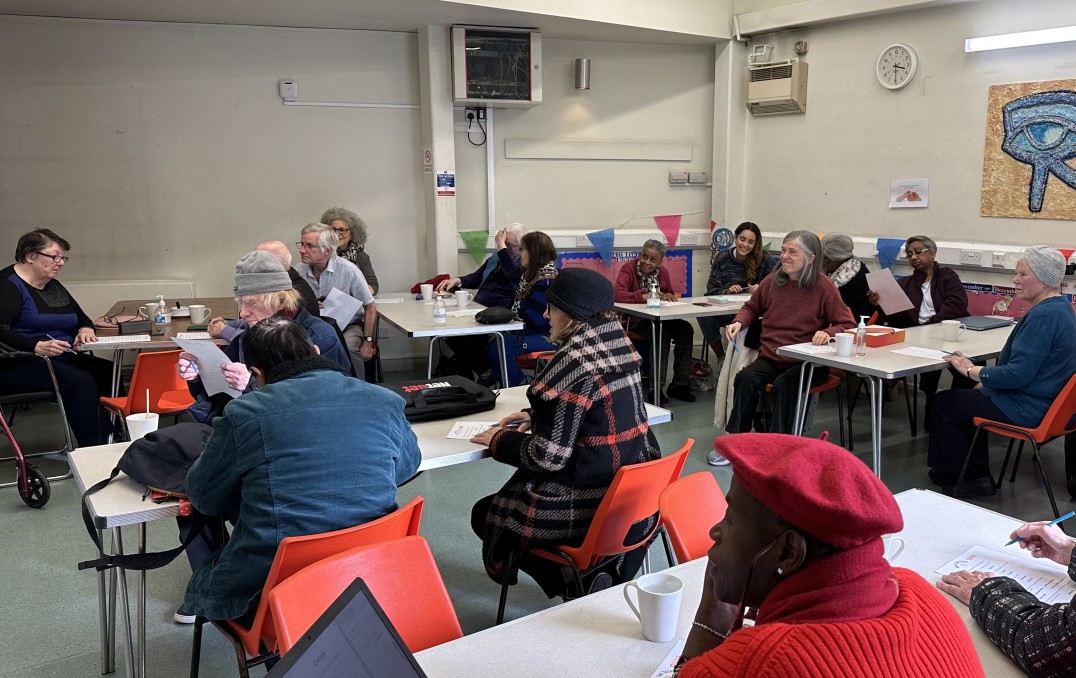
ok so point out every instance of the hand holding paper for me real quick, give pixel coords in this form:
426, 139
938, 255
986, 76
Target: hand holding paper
210, 361
891, 297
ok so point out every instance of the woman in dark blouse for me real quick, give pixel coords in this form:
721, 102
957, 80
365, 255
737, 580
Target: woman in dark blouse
738, 270
38, 315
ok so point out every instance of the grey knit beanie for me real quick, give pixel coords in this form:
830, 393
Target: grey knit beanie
259, 272
581, 293
837, 247
1047, 264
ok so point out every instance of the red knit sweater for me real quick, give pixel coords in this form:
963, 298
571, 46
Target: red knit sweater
791, 314
920, 637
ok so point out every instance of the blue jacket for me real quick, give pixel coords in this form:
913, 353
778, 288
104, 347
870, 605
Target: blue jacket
316, 452
1037, 361
206, 408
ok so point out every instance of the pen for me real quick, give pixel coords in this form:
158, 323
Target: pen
1052, 522
69, 350
515, 423
735, 346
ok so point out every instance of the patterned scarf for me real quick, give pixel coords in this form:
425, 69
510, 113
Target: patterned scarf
647, 281
351, 252
547, 271
845, 272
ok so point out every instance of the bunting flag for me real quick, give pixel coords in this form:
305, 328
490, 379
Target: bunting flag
888, 251
476, 244
603, 243
669, 225
1066, 253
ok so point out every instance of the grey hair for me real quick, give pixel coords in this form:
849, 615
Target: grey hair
354, 223
927, 242
327, 239
517, 228
652, 244
837, 247
278, 250
813, 248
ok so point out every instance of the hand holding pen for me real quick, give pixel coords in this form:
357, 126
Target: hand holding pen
1046, 540
52, 346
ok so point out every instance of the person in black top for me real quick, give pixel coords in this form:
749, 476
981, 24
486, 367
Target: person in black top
38, 315
737, 270
847, 272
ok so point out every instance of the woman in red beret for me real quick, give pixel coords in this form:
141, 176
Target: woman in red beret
800, 546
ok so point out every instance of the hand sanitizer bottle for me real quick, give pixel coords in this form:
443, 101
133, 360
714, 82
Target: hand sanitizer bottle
440, 315
653, 300
861, 336
160, 316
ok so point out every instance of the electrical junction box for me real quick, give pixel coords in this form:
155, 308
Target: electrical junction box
698, 178
679, 177
289, 90
499, 67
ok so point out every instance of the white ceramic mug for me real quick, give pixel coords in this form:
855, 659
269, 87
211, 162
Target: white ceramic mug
894, 546
659, 605
463, 298
199, 313
427, 292
140, 424
844, 341
952, 329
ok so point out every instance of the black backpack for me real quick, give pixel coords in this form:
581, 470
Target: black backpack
160, 461
443, 398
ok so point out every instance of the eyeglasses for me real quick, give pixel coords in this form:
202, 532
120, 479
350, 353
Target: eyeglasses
342, 231
916, 253
304, 246
58, 258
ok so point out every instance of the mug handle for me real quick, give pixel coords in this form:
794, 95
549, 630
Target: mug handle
900, 547
634, 609
143, 312
962, 328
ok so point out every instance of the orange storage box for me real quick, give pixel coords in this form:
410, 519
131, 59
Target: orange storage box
877, 335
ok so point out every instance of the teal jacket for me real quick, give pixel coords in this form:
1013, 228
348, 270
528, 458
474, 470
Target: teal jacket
1037, 361
315, 452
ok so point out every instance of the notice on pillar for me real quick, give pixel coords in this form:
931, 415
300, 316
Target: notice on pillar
427, 160
446, 184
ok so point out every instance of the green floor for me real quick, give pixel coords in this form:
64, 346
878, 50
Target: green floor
48, 625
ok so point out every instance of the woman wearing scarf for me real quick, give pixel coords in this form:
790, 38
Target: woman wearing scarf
538, 262
848, 273
351, 230
800, 545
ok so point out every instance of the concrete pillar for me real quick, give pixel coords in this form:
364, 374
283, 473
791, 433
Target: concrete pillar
730, 129
435, 85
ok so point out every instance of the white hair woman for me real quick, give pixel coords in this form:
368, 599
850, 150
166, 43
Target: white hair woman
800, 305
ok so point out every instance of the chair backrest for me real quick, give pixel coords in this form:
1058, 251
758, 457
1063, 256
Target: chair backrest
632, 497
689, 507
156, 371
295, 553
402, 576
1058, 420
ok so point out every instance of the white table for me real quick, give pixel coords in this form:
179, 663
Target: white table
599, 636
687, 308
120, 504
415, 319
882, 363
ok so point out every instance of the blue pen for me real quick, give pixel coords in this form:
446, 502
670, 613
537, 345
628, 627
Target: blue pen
516, 423
69, 350
1052, 522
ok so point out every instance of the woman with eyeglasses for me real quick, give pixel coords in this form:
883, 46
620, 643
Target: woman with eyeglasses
351, 230
38, 315
936, 294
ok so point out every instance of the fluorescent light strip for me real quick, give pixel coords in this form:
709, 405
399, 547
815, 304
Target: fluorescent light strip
1025, 39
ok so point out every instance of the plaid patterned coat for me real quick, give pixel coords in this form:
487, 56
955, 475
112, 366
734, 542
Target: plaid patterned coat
588, 418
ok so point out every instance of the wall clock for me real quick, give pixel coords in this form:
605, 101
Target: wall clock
896, 66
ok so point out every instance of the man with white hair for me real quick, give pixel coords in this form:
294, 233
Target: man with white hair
323, 270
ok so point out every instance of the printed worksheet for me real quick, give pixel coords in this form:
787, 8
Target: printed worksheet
730, 298
808, 347
193, 335
668, 665
465, 430
388, 300
920, 352
209, 359
1044, 579
122, 339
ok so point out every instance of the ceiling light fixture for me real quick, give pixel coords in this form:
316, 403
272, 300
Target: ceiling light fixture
582, 74
1026, 39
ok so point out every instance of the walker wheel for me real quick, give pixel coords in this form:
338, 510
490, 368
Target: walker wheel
37, 491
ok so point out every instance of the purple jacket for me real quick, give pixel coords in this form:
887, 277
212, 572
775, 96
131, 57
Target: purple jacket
947, 292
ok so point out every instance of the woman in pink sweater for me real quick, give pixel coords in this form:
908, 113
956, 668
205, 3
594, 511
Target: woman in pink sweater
797, 304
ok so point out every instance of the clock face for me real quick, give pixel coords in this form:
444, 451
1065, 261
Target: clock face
896, 66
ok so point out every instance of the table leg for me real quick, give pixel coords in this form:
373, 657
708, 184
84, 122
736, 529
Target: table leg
103, 609
499, 338
142, 604
117, 371
132, 671
429, 358
655, 352
801, 402
877, 389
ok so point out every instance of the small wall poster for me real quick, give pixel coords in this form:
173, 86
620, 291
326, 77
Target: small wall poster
446, 184
909, 192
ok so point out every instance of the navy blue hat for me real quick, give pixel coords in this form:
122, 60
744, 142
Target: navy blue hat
581, 293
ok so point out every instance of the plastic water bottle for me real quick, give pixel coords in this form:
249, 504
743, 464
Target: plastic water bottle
440, 314
160, 316
653, 300
861, 336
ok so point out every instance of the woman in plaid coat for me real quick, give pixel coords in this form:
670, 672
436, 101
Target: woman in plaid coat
587, 418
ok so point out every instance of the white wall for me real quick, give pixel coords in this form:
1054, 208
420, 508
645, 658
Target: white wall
163, 151
829, 170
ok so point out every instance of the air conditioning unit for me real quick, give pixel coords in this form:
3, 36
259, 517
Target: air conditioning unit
777, 88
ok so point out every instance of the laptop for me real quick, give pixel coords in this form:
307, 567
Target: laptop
984, 322
352, 639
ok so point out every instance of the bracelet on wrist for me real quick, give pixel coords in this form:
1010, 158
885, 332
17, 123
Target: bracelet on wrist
704, 627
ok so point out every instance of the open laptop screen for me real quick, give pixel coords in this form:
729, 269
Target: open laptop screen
352, 639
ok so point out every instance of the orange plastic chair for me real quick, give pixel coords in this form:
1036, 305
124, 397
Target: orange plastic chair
1059, 420
401, 574
631, 498
689, 507
292, 555
832, 382
168, 393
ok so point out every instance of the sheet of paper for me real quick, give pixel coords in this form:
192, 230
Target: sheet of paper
891, 297
123, 339
209, 359
730, 298
388, 300
1044, 579
674, 303
920, 352
668, 665
808, 347
465, 430
340, 307
193, 335
464, 312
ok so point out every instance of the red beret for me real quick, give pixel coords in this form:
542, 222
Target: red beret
817, 486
